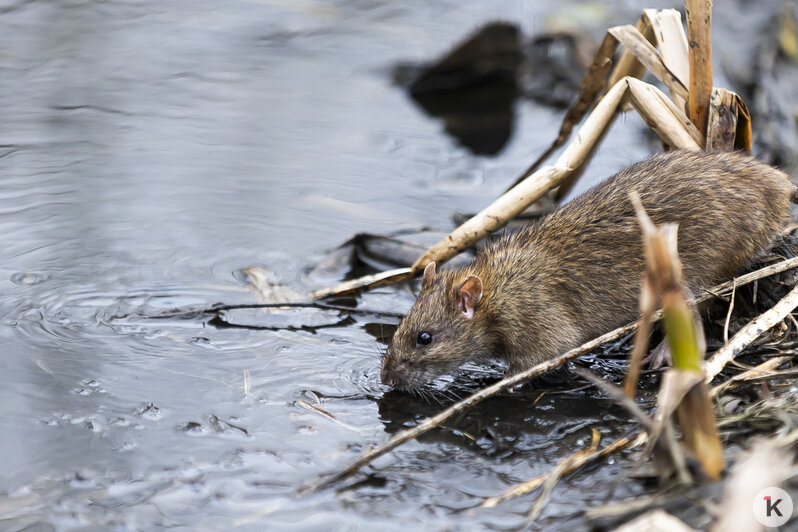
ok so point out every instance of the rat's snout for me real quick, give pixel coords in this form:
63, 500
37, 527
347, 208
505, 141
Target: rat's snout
390, 372
387, 376
387, 379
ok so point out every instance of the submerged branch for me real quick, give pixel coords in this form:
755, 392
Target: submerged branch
277, 306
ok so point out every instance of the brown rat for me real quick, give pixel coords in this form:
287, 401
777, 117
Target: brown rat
576, 273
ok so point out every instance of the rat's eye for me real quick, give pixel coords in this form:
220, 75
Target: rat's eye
424, 338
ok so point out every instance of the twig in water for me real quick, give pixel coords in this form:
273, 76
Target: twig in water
765, 369
302, 304
617, 395
572, 463
319, 410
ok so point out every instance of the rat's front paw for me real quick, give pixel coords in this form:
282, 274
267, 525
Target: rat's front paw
660, 356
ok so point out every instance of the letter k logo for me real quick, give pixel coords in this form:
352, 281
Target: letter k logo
772, 506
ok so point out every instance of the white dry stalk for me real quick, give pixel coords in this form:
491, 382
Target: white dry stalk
655, 521
750, 332
645, 52
728, 314
671, 41
765, 369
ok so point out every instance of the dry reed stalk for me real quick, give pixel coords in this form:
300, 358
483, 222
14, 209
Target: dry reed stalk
750, 332
699, 37
648, 305
672, 44
765, 369
729, 123
368, 281
643, 51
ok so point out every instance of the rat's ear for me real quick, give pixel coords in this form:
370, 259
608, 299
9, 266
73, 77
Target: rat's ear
429, 275
468, 295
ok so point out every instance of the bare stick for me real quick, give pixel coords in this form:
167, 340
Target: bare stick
573, 462
767, 271
648, 304
751, 332
277, 306
763, 370
728, 315
699, 38
368, 281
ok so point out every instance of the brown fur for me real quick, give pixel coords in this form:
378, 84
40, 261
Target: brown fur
576, 274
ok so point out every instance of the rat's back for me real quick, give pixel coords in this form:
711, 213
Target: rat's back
728, 207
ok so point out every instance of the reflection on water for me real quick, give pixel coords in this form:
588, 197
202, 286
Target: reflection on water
148, 153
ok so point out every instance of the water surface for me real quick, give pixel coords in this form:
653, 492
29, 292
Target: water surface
151, 151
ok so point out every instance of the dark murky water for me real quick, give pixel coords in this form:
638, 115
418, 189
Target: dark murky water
148, 153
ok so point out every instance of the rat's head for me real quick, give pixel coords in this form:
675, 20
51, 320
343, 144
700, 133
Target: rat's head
445, 328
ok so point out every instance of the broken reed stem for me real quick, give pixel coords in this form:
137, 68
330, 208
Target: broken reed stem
763, 370
728, 315
694, 410
696, 416
648, 306
750, 332
428, 424
679, 325
699, 38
